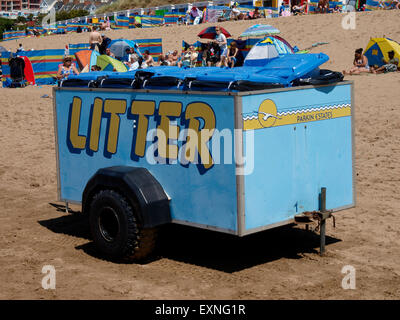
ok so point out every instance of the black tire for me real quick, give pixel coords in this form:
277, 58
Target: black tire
115, 228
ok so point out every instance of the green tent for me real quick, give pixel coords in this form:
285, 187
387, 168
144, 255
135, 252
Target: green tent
107, 63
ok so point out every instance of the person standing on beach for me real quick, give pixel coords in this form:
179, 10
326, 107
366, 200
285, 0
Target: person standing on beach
20, 48
220, 39
95, 39
105, 42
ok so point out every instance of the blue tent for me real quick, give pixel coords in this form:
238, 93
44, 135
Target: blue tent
118, 47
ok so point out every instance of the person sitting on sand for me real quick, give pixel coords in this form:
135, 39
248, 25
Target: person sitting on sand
360, 63
323, 6
391, 65
255, 14
133, 63
148, 60
163, 61
235, 56
189, 58
95, 68
336, 9
196, 15
174, 57
298, 8
66, 68
109, 53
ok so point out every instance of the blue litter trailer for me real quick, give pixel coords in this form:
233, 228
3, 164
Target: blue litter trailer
233, 162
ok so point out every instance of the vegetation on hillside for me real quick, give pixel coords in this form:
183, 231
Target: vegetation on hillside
6, 24
132, 4
21, 23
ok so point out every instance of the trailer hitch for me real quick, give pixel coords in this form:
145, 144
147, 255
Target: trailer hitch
320, 216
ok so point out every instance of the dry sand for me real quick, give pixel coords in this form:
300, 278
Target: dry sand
195, 264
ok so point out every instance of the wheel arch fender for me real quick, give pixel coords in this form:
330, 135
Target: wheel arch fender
136, 184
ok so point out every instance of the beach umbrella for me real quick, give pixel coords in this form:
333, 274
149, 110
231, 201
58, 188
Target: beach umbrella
259, 30
118, 47
210, 33
107, 63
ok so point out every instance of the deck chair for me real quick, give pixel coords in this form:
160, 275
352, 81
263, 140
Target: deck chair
226, 15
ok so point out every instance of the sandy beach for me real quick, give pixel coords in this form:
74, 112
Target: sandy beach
279, 264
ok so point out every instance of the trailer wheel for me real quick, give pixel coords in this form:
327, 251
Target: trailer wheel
115, 228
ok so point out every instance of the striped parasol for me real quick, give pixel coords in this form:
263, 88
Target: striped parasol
260, 30
210, 33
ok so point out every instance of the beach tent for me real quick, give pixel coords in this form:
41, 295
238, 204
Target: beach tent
2, 49
261, 53
107, 63
378, 48
86, 58
118, 47
281, 45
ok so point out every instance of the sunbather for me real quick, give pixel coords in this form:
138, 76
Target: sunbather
391, 65
360, 63
323, 6
66, 69
189, 58
298, 8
